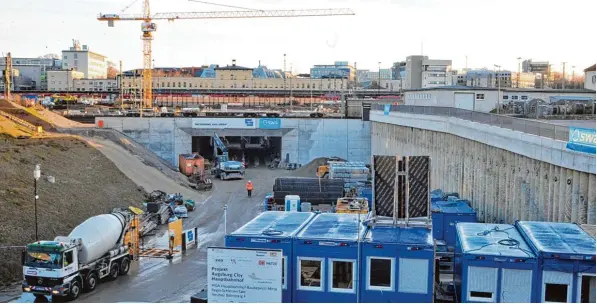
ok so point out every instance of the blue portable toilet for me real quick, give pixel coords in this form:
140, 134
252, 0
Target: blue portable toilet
398, 265
567, 261
272, 230
493, 263
326, 254
445, 215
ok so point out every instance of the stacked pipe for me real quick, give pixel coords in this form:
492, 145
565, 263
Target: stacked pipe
313, 190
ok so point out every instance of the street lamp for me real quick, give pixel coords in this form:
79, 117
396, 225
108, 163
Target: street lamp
499, 87
518, 75
573, 81
378, 78
36, 176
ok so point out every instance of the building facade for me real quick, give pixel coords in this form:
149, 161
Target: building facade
99, 85
340, 69
422, 72
590, 78
488, 79
63, 80
33, 71
91, 64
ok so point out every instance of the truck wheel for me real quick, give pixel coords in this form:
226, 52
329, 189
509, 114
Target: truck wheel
114, 270
75, 290
90, 282
125, 265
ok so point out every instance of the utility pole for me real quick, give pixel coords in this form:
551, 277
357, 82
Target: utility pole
518, 75
466, 62
121, 88
499, 88
563, 75
573, 79
379, 78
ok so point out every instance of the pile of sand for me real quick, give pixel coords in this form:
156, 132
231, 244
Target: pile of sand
310, 169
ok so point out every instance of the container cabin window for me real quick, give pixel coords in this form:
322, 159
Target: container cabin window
557, 286
505, 97
480, 96
413, 275
342, 274
284, 269
482, 284
587, 288
380, 274
310, 274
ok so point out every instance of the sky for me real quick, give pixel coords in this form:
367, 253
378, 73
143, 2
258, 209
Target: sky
473, 33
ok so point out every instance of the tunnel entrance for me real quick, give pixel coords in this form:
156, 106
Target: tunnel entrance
257, 150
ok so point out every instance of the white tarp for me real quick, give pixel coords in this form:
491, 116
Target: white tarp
240, 275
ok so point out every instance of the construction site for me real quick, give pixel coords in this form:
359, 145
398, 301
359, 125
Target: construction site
288, 200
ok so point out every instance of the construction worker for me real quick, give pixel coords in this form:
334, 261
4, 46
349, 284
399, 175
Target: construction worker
249, 188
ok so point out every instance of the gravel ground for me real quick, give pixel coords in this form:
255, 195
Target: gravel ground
86, 184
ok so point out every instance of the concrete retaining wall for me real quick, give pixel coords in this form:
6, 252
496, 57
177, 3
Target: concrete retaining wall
546, 184
306, 140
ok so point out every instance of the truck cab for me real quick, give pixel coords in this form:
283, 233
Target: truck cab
49, 268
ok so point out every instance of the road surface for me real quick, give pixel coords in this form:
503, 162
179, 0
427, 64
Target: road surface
161, 280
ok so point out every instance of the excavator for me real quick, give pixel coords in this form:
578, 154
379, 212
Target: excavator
223, 167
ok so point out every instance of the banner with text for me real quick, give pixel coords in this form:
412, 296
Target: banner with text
239, 275
224, 123
581, 139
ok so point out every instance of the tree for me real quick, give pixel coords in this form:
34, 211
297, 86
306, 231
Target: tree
112, 70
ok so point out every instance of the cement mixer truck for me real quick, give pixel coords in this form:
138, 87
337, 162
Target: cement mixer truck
100, 248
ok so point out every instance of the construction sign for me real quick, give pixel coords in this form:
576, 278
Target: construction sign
175, 229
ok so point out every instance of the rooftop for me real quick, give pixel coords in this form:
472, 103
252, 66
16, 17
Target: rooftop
558, 238
451, 207
590, 69
492, 240
275, 224
333, 226
528, 90
399, 235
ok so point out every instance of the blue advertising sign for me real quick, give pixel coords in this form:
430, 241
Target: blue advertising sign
386, 109
270, 123
249, 122
581, 139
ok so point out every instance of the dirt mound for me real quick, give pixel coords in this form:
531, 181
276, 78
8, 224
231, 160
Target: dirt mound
310, 169
86, 184
21, 113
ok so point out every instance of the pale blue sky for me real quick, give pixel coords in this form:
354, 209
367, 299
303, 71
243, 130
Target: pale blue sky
488, 32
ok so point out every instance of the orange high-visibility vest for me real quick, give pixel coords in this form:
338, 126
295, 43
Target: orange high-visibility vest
249, 186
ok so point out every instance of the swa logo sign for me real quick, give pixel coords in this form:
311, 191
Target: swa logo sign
270, 123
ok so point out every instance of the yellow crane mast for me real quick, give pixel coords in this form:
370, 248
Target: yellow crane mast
7, 76
148, 27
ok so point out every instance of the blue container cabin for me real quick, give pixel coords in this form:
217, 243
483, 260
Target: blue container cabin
398, 265
272, 230
445, 215
493, 263
326, 254
567, 261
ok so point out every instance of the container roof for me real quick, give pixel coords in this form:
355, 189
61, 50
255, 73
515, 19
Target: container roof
275, 224
558, 238
400, 235
451, 207
492, 240
333, 226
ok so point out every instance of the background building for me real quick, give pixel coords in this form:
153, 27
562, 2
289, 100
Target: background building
32, 71
484, 78
590, 78
537, 67
421, 72
340, 69
63, 80
80, 58
98, 85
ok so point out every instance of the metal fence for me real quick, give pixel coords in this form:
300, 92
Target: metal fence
538, 128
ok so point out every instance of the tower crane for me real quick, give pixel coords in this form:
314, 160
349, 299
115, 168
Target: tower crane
7, 76
148, 27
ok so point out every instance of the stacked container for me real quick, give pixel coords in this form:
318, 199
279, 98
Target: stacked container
273, 230
189, 164
325, 257
445, 215
493, 263
567, 261
397, 265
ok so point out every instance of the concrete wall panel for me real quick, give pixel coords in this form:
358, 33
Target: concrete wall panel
503, 186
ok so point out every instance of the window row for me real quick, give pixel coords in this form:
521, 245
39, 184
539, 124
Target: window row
380, 274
